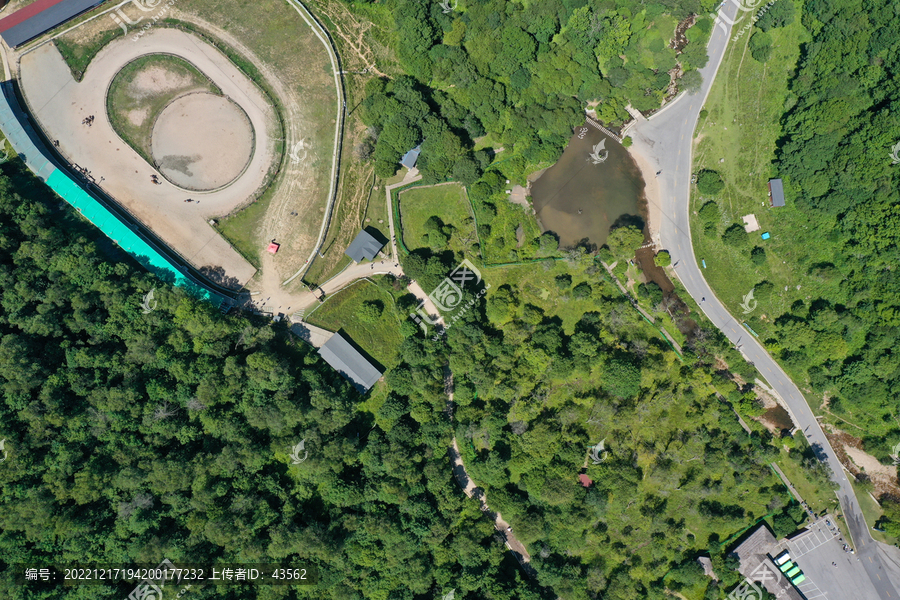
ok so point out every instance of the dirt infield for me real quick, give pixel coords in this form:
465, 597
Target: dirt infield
143, 88
202, 141
60, 105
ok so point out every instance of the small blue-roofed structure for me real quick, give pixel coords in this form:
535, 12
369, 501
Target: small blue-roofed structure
776, 192
364, 247
409, 159
766, 235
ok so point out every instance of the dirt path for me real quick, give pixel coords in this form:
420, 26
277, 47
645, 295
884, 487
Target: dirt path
411, 176
472, 491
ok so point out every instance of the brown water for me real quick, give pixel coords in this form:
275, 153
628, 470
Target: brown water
779, 417
577, 199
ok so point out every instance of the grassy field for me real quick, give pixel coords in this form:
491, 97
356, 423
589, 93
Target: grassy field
446, 201
79, 56
239, 228
377, 212
359, 37
381, 338
663, 319
741, 127
133, 108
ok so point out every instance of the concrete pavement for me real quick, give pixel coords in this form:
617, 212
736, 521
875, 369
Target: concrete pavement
666, 140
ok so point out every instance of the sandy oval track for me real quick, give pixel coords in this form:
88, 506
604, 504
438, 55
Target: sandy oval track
202, 141
60, 104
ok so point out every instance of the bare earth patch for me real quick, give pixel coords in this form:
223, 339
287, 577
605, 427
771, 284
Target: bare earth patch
202, 141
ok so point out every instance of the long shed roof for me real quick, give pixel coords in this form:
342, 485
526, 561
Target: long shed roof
40, 16
349, 362
777, 189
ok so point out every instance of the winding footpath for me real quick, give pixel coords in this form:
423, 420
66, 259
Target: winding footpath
666, 140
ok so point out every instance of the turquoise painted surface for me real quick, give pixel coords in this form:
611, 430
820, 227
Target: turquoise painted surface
124, 236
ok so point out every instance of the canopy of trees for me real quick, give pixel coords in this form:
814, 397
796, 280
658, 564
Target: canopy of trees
836, 159
524, 74
135, 437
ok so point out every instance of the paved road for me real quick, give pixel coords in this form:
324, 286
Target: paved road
666, 140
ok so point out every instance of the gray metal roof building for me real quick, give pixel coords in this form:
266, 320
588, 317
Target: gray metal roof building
776, 191
365, 246
39, 17
409, 159
346, 360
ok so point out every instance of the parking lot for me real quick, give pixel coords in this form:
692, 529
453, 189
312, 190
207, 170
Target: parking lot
820, 554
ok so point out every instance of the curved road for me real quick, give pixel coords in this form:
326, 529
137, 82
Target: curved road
666, 140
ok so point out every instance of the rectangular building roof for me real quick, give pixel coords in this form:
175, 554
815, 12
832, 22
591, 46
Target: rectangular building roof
777, 190
409, 159
347, 360
365, 246
40, 16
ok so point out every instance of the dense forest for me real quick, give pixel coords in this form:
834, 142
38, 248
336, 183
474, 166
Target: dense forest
836, 160
136, 437
522, 73
537, 382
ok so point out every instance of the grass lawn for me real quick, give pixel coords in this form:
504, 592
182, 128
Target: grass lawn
819, 499
381, 339
737, 138
132, 109
240, 229
377, 212
79, 56
448, 202
872, 511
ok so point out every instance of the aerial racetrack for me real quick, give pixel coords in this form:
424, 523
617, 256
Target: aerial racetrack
187, 122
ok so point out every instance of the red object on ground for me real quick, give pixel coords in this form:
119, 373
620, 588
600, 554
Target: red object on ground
273, 248
26, 13
585, 480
